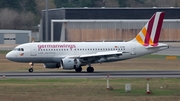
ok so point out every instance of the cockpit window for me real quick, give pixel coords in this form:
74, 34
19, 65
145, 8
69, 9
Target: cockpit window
18, 49
22, 49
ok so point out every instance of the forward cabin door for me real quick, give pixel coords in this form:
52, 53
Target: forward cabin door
33, 50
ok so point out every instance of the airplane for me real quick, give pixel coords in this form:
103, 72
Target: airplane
74, 55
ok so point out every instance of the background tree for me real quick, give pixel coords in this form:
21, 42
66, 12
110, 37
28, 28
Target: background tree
40, 5
74, 3
12, 4
28, 6
19, 5
23, 14
11, 19
140, 1
122, 3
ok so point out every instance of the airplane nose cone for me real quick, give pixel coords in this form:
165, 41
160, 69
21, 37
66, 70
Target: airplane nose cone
9, 56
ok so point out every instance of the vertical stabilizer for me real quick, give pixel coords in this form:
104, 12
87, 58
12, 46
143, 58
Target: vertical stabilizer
150, 33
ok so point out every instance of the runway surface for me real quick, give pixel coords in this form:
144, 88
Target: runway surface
97, 74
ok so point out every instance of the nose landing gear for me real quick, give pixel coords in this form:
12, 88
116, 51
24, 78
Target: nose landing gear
31, 67
30, 70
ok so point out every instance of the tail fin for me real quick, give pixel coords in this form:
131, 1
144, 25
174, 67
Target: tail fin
149, 34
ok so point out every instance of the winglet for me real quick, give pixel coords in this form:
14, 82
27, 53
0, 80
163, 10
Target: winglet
150, 33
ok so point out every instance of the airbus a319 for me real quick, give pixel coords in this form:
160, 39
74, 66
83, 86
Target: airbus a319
74, 55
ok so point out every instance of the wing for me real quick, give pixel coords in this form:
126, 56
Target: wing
96, 57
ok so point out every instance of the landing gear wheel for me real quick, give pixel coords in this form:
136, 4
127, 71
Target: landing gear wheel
30, 70
78, 69
31, 64
90, 69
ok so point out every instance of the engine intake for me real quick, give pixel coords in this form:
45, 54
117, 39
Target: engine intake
69, 63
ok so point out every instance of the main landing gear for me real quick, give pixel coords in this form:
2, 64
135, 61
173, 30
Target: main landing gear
89, 69
31, 67
78, 69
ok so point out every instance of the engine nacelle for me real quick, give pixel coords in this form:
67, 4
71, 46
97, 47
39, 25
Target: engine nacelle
51, 65
69, 63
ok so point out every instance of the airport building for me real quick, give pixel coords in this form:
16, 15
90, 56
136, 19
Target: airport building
15, 36
130, 21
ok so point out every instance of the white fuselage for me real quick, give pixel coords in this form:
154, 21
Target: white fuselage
53, 52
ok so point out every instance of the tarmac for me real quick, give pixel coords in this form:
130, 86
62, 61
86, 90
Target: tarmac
96, 74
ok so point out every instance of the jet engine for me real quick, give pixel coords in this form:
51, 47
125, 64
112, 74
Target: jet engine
51, 65
70, 63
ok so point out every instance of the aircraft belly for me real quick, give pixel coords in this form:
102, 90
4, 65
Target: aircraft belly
34, 60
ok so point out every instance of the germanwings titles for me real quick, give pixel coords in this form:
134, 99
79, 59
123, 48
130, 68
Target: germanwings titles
48, 46
74, 55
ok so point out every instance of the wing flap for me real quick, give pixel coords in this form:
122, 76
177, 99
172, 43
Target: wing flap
99, 54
